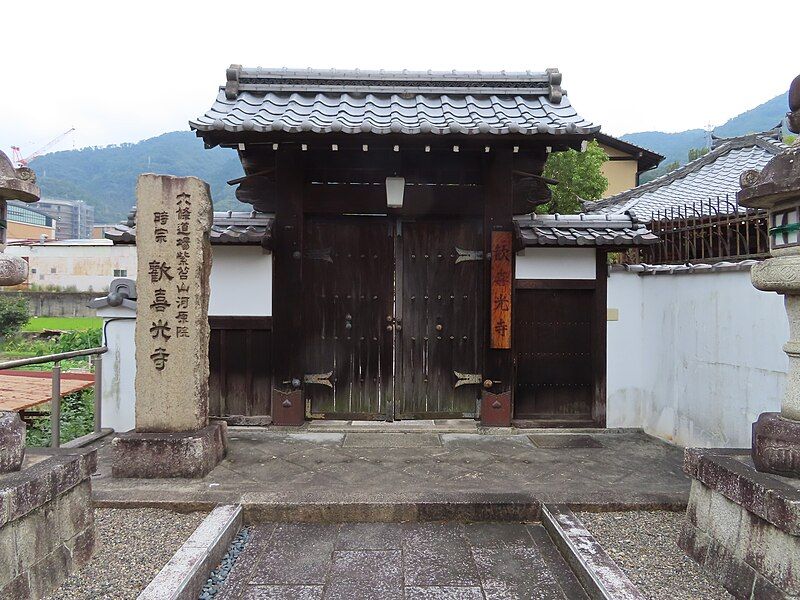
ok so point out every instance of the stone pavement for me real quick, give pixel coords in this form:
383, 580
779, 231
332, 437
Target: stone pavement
388, 561
288, 467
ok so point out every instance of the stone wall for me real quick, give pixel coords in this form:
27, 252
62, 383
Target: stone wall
743, 527
58, 304
47, 526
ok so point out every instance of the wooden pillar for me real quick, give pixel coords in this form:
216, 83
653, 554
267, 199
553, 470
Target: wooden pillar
599, 339
498, 369
287, 294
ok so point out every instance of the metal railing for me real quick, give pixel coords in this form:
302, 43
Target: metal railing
55, 399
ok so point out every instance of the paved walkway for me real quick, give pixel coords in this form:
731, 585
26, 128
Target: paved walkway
430, 561
609, 469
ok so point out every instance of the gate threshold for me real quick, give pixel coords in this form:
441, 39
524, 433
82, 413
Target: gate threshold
409, 426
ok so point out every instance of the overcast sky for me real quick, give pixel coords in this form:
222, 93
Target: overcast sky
125, 71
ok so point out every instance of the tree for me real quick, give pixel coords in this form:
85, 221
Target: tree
579, 176
695, 153
672, 166
14, 313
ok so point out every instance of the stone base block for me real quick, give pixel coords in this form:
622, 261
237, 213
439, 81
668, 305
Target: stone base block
742, 526
190, 454
776, 445
12, 442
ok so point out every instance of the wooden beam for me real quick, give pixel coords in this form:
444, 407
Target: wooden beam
287, 339
496, 404
599, 339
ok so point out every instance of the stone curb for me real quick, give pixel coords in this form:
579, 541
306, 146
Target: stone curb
510, 509
762, 494
183, 577
598, 573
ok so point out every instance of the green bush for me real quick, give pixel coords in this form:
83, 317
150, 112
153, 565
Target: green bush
77, 419
14, 313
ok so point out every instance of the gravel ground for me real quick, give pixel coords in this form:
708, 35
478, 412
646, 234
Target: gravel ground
133, 545
643, 545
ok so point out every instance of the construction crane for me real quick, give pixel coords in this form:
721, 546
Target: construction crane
23, 162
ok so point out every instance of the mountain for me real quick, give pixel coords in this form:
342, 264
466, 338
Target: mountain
106, 177
676, 146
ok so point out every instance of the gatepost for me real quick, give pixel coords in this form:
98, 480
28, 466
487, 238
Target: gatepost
173, 436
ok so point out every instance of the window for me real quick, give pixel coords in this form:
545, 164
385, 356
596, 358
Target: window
33, 271
52, 269
120, 272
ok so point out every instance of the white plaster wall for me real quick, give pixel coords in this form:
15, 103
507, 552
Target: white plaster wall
556, 263
694, 359
241, 281
118, 403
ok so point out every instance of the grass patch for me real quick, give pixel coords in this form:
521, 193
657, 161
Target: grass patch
63, 323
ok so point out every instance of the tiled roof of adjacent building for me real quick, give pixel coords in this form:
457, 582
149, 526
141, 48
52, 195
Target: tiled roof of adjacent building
228, 228
711, 176
382, 102
608, 230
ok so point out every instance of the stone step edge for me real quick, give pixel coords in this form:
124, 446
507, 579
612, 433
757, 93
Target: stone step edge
597, 572
184, 576
489, 508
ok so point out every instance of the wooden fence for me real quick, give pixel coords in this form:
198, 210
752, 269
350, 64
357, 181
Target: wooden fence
712, 231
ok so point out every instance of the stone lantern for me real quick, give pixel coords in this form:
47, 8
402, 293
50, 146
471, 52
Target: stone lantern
776, 436
15, 184
743, 517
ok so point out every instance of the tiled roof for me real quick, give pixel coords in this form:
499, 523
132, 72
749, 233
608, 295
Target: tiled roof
382, 102
228, 228
688, 269
584, 230
711, 176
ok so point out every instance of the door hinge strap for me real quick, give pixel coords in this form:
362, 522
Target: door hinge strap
319, 378
466, 255
467, 379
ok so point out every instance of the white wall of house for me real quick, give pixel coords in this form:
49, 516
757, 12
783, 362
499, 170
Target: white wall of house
694, 358
556, 263
85, 265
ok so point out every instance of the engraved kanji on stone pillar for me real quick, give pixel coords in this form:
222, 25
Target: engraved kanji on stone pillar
174, 217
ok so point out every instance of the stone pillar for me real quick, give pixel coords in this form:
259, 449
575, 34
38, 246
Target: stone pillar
173, 437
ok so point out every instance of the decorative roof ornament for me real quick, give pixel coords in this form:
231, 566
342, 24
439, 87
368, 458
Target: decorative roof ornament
779, 180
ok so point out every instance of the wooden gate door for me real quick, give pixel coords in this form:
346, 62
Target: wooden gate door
348, 278
555, 372
440, 303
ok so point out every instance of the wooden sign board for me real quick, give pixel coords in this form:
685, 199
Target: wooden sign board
500, 320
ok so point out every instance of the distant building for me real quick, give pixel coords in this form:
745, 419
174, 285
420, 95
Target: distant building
626, 162
27, 223
82, 265
74, 218
99, 230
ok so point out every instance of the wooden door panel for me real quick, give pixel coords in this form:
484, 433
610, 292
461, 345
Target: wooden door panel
348, 278
553, 339
442, 318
